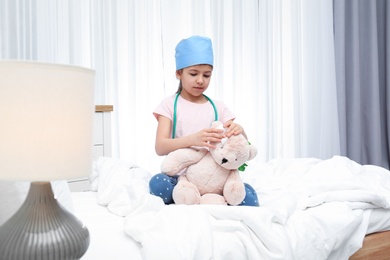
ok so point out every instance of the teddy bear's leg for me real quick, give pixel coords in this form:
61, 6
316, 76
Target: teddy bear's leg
234, 189
250, 197
186, 192
162, 185
212, 198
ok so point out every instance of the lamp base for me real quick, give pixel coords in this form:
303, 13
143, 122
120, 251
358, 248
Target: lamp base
43, 229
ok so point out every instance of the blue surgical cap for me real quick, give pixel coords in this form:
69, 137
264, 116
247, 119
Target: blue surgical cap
194, 50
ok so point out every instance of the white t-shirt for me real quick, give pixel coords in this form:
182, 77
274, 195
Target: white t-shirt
192, 117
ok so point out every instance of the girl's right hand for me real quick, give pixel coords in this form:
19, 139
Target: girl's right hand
207, 136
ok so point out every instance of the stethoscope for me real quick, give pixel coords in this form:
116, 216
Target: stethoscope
175, 109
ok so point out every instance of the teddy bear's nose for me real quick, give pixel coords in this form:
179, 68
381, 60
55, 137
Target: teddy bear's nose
224, 160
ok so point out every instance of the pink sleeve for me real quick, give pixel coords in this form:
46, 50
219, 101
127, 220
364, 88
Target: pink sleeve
165, 108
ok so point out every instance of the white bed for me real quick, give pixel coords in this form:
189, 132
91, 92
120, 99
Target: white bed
108, 238
310, 209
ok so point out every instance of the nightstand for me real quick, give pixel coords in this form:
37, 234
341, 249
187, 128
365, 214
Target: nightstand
101, 142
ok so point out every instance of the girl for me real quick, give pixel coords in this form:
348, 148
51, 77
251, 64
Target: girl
184, 118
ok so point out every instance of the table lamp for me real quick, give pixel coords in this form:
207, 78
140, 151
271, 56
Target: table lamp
46, 121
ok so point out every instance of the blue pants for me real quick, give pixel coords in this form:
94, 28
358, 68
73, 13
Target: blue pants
162, 185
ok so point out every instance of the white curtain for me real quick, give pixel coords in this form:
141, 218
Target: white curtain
274, 64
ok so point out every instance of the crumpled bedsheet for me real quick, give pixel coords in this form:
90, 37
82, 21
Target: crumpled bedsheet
310, 209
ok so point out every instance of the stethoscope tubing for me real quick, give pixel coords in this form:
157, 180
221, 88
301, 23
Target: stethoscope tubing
175, 112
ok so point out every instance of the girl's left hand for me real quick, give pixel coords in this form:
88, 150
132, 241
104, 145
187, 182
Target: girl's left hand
233, 129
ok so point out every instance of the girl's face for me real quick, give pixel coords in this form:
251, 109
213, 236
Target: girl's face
195, 79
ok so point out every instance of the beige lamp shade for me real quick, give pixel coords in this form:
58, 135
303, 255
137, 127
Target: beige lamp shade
46, 121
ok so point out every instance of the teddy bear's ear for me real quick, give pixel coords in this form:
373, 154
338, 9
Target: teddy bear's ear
252, 152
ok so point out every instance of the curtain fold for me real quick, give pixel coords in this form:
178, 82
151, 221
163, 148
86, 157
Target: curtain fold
274, 64
362, 47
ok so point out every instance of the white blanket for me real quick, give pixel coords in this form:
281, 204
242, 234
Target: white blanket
310, 209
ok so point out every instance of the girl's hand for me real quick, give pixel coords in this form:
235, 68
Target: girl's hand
207, 136
233, 129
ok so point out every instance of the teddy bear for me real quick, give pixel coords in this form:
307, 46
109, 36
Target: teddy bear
210, 176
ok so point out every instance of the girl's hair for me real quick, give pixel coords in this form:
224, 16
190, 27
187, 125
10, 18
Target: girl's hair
179, 89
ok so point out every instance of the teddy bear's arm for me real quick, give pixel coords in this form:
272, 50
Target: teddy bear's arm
234, 189
180, 159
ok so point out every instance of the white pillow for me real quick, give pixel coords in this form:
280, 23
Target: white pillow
13, 194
